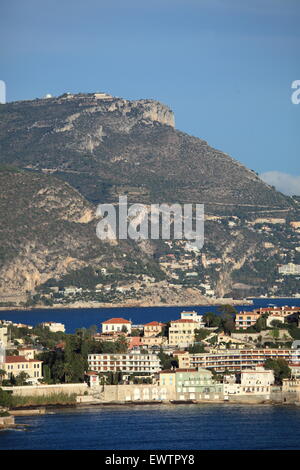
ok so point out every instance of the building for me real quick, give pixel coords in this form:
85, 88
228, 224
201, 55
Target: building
237, 360
54, 327
153, 328
254, 384
182, 332
134, 342
14, 365
193, 316
244, 320
72, 290
28, 352
134, 362
289, 269
191, 384
284, 311
153, 340
291, 390
3, 337
22, 325
114, 325
108, 337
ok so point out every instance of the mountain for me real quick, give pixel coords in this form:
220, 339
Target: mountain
61, 156
106, 146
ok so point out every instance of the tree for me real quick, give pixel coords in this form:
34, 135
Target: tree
275, 334
21, 378
227, 323
260, 324
201, 334
166, 361
2, 374
135, 332
211, 319
196, 348
277, 324
280, 367
227, 309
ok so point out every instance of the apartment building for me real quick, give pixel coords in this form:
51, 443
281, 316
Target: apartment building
244, 320
182, 332
133, 362
237, 360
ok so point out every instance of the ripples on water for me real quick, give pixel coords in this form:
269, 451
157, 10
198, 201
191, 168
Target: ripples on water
174, 427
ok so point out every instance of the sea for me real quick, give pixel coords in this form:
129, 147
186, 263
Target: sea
159, 427
155, 427
86, 317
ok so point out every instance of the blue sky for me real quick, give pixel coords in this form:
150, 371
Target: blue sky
224, 66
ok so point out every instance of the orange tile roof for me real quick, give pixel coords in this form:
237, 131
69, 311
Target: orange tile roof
154, 323
116, 320
134, 341
13, 359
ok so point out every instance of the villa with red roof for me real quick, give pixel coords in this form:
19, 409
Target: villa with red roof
14, 365
115, 325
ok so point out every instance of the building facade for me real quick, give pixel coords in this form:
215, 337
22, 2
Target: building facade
114, 325
191, 384
130, 363
237, 360
14, 365
193, 316
54, 327
244, 320
153, 328
182, 332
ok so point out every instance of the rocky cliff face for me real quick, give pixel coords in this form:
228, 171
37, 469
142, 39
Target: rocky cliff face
48, 230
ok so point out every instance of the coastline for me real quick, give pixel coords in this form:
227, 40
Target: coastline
52, 408
134, 304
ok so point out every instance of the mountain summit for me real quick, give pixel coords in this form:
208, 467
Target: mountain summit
106, 146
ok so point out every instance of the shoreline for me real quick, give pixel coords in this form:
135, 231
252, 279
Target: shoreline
98, 305
56, 408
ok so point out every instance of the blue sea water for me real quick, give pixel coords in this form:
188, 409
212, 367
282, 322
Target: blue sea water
85, 317
160, 427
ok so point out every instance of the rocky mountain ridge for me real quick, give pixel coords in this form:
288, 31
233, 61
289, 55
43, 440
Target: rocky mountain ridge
61, 156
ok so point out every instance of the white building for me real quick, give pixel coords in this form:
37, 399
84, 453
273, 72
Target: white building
192, 315
115, 325
3, 336
253, 382
289, 269
54, 327
131, 363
